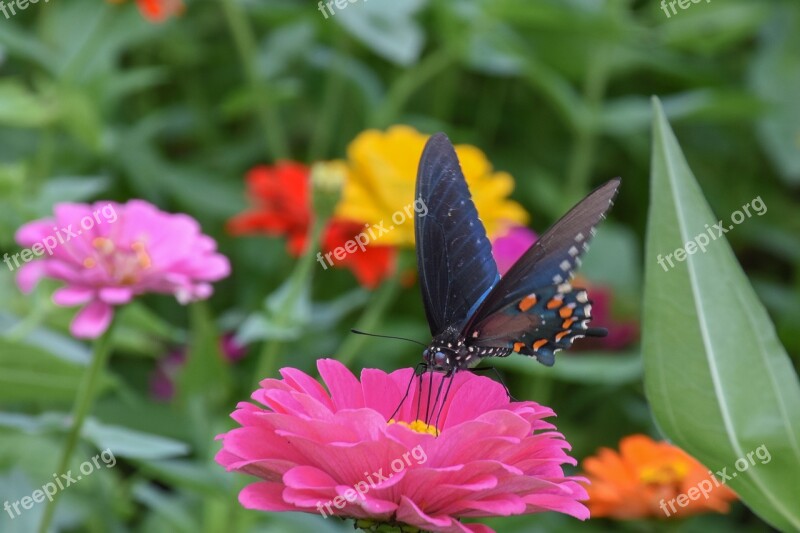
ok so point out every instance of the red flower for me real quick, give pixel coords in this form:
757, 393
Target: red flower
369, 264
281, 204
281, 199
160, 10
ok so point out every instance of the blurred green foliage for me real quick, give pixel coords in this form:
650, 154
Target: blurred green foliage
96, 102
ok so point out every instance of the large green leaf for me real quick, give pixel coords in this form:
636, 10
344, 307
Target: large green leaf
29, 372
719, 381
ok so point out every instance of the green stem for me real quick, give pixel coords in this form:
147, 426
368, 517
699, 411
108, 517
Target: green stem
268, 359
408, 83
83, 404
331, 105
584, 148
245, 40
371, 317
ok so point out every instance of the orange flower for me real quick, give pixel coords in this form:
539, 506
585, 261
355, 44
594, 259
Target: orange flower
651, 479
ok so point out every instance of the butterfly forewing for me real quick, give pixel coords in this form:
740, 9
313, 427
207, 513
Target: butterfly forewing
454, 255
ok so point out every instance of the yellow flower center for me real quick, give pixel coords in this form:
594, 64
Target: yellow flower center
419, 426
664, 474
122, 265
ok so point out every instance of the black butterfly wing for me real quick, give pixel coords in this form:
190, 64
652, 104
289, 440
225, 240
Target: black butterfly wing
533, 309
544, 322
454, 255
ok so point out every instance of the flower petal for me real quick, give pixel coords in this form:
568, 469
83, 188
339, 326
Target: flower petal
92, 321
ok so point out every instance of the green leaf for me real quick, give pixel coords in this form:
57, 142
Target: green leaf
20, 107
29, 372
69, 189
132, 444
387, 27
719, 382
616, 261
583, 367
205, 372
206, 479
775, 77
710, 28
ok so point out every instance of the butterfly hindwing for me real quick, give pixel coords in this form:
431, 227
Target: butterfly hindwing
454, 255
538, 325
552, 259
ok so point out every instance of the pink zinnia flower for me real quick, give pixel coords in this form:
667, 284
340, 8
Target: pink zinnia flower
107, 253
510, 246
338, 453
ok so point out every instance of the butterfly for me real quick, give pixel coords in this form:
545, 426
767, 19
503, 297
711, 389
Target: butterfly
472, 312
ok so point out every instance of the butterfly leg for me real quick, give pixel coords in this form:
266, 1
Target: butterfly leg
430, 392
449, 378
417, 372
438, 395
420, 388
499, 378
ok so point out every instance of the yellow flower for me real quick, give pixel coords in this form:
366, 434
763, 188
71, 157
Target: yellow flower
382, 173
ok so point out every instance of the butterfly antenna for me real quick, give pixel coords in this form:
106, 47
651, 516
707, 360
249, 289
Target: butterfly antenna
596, 332
358, 332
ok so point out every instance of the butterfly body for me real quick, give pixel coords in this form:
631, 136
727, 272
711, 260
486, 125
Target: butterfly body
472, 312
451, 351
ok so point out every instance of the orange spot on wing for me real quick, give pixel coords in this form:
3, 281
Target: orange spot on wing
518, 346
527, 302
565, 312
554, 302
560, 335
568, 322
538, 344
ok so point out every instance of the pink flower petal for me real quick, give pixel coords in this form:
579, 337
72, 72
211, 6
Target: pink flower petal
116, 295
70, 296
344, 387
34, 232
265, 496
29, 275
92, 321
